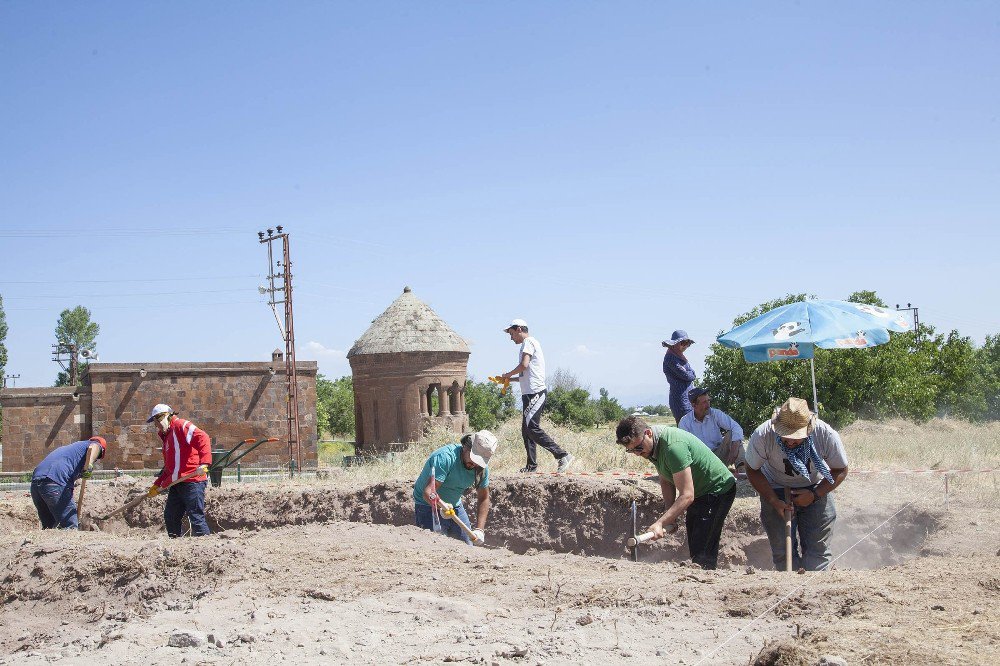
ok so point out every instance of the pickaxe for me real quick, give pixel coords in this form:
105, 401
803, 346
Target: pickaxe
450, 513
633, 541
202, 469
93, 451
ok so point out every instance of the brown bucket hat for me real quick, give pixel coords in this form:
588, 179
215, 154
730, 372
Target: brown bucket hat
793, 419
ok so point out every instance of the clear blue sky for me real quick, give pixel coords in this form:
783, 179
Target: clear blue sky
607, 171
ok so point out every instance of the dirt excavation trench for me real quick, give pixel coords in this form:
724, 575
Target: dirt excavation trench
323, 572
563, 515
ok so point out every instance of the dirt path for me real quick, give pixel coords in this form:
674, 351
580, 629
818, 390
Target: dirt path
291, 579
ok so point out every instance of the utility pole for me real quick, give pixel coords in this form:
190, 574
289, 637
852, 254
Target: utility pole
916, 318
13, 377
284, 274
61, 349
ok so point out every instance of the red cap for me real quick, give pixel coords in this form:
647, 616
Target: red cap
100, 440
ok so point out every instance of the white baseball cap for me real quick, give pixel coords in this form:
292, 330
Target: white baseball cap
157, 410
484, 445
516, 322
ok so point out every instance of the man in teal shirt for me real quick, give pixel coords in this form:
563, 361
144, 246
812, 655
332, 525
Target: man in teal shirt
455, 469
692, 478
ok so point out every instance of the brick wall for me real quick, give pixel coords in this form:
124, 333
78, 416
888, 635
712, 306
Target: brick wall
38, 420
229, 401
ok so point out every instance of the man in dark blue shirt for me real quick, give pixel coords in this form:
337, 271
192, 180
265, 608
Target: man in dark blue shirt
52, 481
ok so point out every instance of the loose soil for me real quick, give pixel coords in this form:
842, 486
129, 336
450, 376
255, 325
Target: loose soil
326, 572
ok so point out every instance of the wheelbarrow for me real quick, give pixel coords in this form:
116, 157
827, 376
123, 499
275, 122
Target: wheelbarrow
222, 458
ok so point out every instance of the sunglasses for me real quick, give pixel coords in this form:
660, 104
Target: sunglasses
625, 441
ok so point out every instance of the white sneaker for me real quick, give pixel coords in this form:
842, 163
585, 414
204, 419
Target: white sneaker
564, 463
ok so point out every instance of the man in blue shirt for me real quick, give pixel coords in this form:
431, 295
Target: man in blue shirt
708, 424
52, 481
679, 373
455, 469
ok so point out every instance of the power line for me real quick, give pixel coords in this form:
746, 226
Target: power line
138, 293
145, 306
178, 279
130, 231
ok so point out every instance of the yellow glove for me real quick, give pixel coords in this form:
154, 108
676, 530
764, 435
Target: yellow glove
503, 382
447, 510
153, 491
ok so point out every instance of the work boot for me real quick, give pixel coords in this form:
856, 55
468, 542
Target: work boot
564, 463
527, 470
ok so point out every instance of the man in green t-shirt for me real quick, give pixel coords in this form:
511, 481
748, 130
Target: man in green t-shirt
692, 478
455, 468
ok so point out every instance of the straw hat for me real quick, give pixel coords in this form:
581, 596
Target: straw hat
793, 419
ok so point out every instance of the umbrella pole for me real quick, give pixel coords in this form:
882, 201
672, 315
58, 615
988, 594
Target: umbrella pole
812, 367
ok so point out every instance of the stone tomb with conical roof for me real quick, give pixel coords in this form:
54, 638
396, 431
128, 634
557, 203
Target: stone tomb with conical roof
409, 371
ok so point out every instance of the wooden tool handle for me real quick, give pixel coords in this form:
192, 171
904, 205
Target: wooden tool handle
788, 531
468, 530
202, 469
639, 538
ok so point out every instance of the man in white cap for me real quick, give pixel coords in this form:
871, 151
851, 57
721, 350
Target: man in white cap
531, 373
185, 448
447, 474
798, 451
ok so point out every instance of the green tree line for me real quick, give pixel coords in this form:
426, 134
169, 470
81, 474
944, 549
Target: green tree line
568, 404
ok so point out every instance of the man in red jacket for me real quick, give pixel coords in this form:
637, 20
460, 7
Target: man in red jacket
185, 448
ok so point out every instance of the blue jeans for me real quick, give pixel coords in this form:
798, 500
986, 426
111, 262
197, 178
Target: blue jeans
187, 497
812, 529
54, 504
423, 515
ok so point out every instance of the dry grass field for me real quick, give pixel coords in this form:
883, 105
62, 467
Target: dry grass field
888, 445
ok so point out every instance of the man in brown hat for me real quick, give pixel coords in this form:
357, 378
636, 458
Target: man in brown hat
798, 451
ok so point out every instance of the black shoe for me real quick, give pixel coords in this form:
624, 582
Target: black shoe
527, 470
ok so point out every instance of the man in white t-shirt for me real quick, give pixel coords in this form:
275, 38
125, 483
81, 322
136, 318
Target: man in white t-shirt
795, 450
531, 371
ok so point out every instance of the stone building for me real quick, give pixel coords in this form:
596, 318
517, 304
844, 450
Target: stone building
229, 401
409, 371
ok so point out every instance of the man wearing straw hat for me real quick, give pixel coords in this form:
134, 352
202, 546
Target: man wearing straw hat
447, 474
795, 450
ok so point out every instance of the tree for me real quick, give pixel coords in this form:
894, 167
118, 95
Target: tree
960, 378
609, 409
75, 328
335, 405
989, 367
570, 404
485, 405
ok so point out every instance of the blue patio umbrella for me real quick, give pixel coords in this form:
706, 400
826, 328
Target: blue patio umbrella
792, 331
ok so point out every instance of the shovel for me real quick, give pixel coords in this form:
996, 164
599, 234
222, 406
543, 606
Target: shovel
203, 469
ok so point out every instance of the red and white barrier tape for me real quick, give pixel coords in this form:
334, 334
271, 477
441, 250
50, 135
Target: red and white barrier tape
645, 475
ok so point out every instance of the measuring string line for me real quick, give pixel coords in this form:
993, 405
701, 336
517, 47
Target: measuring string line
810, 578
